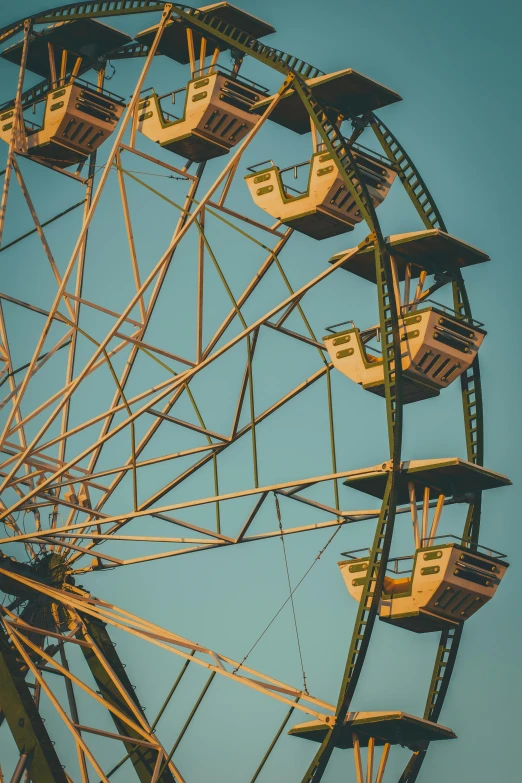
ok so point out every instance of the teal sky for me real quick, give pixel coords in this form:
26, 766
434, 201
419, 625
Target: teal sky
457, 66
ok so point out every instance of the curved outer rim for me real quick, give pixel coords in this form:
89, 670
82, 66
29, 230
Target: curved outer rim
99, 9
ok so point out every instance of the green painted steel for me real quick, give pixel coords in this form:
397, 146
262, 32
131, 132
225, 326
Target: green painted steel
473, 423
143, 759
408, 174
237, 39
12, 29
30, 96
444, 663
160, 713
473, 414
298, 70
470, 380
129, 51
244, 43
83, 11
205, 22
80, 11
39, 91
97, 9
339, 149
23, 718
471, 385
187, 723
431, 217
273, 743
366, 616
43, 225
337, 146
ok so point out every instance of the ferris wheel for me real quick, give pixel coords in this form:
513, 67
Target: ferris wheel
134, 401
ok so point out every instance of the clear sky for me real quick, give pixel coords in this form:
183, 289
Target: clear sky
457, 66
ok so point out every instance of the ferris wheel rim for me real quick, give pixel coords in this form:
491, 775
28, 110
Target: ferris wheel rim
374, 226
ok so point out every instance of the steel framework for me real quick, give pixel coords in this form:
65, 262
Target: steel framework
59, 463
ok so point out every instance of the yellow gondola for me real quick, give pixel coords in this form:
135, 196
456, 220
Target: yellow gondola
447, 582
78, 118
326, 208
216, 115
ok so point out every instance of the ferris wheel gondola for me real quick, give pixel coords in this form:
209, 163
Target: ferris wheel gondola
59, 465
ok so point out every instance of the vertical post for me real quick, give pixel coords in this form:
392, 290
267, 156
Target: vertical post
227, 185
395, 278
201, 271
382, 765
418, 290
215, 56
101, 79
357, 758
76, 69
407, 281
436, 517
130, 235
18, 130
414, 516
314, 135
202, 54
425, 511
134, 126
63, 66
192, 56
237, 65
369, 760
52, 62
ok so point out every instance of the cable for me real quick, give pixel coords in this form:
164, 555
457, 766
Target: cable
145, 173
278, 512
108, 78
151, 174
319, 555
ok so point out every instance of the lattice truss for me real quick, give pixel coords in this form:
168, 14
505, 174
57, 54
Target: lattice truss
154, 369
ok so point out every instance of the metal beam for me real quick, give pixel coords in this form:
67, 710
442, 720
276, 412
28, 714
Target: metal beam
23, 718
142, 758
